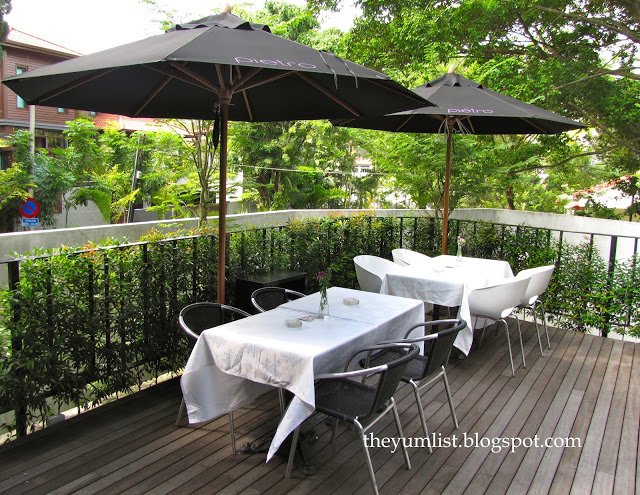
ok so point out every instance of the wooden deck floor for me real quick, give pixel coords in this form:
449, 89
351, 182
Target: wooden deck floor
585, 387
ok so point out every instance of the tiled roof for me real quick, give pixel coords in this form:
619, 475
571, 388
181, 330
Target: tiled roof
18, 37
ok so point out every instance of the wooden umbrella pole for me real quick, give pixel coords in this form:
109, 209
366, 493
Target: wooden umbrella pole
222, 198
447, 178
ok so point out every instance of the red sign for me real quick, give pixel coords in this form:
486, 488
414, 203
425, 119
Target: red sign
29, 208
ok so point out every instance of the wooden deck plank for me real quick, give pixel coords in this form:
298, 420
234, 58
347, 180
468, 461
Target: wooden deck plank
586, 387
585, 473
545, 470
446, 481
566, 471
515, 412
411, 426
444, 428
489, 395
539, 406
625, 478
147, 460
603, 481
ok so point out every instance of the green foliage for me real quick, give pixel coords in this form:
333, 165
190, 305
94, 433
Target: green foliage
573, 57
101, 320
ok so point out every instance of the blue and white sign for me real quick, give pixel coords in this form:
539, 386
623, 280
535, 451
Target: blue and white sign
30, 222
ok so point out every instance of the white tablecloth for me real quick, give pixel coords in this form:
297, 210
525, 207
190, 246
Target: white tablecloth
447, 281
234, 363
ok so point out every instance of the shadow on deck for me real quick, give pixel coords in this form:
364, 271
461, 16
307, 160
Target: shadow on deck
583, 388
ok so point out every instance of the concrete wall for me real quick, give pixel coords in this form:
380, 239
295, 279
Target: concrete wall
575, 228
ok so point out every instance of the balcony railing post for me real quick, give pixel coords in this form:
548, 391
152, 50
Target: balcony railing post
106, 315
610, 273
91, 308
146, 310
194, 268
19, 406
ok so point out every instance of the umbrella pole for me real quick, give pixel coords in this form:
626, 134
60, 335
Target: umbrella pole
222, 199
447, 178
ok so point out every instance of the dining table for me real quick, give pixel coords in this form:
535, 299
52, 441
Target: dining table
447, 281
233, 364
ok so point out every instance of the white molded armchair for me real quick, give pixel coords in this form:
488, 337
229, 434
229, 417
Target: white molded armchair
371, 270
498, 302
407, 257
540, 278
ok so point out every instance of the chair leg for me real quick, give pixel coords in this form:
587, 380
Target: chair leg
416, 393
449, 398
524, 363
282, 401
372, 475
535, 320
475, 324
334, 430
396, 417
544, 321
292, 452
233, 433
506, 329
181, 411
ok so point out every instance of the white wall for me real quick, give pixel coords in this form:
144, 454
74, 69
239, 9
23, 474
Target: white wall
22, 242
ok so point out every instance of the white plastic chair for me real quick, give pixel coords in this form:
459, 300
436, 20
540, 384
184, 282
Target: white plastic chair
371, 270
497, 302
407, 257
540, 278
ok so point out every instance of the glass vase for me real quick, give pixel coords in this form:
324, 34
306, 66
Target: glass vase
459, 255
323, 311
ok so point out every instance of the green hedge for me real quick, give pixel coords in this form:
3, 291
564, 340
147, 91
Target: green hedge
99, 321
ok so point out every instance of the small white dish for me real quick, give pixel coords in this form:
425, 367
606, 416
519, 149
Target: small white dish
293, 323
350, 301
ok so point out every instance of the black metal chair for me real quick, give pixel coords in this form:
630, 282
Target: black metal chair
343, 397
430, 364
196, 317
267, 298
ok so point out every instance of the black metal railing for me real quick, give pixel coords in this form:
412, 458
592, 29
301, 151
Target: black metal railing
80, 325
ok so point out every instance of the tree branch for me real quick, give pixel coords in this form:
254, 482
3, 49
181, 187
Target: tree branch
626, 72
596, 21
557, 164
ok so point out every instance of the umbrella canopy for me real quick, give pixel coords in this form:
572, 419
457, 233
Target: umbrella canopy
220, 67
466, 107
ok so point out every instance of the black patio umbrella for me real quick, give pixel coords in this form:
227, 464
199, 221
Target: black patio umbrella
463, 106
220, 67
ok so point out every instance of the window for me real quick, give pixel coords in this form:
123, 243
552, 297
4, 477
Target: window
93, 114
62, 110
20, 103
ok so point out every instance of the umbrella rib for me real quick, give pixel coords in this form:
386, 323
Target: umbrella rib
329, 94
264, 81
197, 77
75, 84
223, 86
243, 79
404, 122
197, 84
537, 126
395, 90
152, 96
240, 81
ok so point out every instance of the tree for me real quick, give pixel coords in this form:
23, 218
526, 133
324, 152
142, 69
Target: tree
5, 8
576, 57
199, 138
